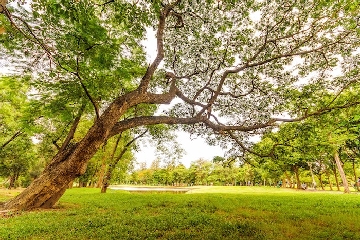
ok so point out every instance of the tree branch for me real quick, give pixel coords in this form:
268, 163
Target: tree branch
316, 113
13, 137
150, 120
33, 38
73, 128
160, 47
85, 89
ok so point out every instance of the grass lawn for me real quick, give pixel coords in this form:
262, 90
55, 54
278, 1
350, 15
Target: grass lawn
204, 213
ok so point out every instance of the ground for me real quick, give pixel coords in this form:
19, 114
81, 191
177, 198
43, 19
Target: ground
202, 213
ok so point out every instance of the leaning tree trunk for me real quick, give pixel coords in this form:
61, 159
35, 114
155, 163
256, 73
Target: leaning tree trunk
47, 189
105, 182
70, 162
114, 162
341, 172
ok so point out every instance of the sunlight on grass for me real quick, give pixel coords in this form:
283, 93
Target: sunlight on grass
252, 213
239, 190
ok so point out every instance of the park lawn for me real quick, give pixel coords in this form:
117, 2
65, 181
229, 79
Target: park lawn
241, 213
6, 193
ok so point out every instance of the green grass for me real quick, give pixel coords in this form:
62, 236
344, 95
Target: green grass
216, 213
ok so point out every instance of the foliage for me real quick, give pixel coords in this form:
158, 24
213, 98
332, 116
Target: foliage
17, 152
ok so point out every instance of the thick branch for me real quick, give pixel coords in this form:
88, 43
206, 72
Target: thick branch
164, 98
150, 120
217, 127
160, 48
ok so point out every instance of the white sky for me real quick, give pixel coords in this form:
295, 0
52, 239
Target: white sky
195, 148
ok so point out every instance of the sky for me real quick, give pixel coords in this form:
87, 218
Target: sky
195, 148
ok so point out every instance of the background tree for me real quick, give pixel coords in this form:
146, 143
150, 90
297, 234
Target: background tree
17, 152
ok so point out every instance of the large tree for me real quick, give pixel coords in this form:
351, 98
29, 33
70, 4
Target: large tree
230, 65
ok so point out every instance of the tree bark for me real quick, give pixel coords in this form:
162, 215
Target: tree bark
3, 5
330, 183
70, 185
112, 165
312, 176
296, 171
106, 180
101, 172
342, 173
71, 162
11, 182
321, 182
106, 177
336, 178
354, 171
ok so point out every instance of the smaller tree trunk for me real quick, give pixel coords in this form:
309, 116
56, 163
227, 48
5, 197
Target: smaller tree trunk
342, 173
312, 176
284, 182
330, 183
101, 172
106, 179
11, 182
105, 182
112, 165
321, 182
71, 184
336, 179
296, 171
355, 177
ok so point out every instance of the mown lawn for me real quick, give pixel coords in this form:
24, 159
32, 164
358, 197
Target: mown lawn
216, 213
